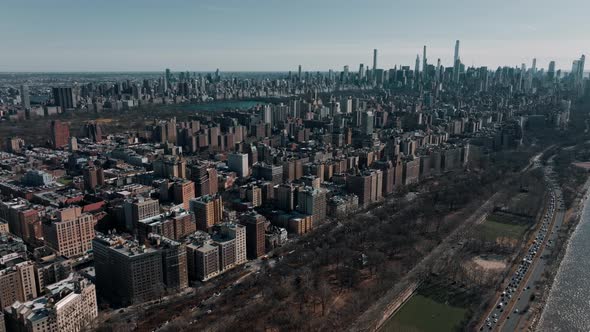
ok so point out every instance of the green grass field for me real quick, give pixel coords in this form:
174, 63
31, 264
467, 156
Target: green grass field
492, 229
422, 314
64, 181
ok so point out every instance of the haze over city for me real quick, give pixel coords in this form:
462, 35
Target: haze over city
69, 35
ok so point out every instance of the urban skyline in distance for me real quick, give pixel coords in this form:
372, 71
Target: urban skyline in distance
423, 58
265, 36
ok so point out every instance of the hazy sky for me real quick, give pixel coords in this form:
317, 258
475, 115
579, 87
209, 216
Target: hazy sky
270, 35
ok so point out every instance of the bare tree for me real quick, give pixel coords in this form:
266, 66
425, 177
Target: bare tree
324, 292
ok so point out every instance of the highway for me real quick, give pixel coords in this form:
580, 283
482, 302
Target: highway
518, 321
510, 312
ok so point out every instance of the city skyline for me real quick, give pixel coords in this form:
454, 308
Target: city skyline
265, 36
566, 65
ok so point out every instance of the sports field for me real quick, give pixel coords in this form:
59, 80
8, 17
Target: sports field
422, 314
492, 229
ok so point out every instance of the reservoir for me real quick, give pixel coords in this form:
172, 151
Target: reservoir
217, 105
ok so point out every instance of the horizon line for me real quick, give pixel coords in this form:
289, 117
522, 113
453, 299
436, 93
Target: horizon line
221, 71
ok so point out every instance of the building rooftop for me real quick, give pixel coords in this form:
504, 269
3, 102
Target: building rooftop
122, 245
59, 295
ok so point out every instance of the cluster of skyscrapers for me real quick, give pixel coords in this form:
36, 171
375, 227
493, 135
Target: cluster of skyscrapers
144, 213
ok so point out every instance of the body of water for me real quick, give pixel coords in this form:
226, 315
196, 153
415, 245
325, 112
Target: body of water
218, 105
568, 305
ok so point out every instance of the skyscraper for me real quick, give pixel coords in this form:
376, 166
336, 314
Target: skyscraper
581, 64
64, 97
530, 74
575, 68
424, 64
551, 70
367, 122
456, 63
25, 97
93, 131
167, 80
345, 73
417, 67
521, 77
267, 114
374, 60
60, 134
577, 73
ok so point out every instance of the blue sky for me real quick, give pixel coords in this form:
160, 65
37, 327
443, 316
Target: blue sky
269, 35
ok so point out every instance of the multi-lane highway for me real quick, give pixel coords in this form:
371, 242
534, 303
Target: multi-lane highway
510, 312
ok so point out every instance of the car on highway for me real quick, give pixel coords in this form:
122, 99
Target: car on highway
521, 270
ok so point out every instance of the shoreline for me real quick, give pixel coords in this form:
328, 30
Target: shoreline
574, 217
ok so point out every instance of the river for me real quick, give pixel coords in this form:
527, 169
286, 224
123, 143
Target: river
568, 304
